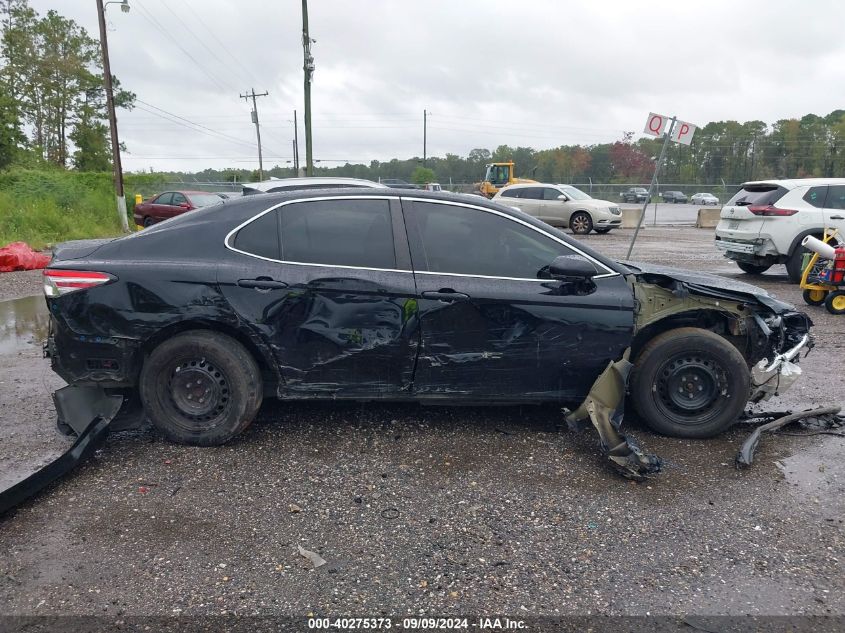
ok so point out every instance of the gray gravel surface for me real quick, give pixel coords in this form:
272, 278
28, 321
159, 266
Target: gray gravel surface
426, 510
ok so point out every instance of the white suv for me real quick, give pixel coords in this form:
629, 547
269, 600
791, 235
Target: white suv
562, 206
764, 223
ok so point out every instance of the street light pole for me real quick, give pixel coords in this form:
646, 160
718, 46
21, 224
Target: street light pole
115, 143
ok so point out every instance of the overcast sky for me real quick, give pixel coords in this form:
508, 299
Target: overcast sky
535, 73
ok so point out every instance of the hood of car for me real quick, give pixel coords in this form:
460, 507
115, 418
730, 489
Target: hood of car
706, 283
594, 203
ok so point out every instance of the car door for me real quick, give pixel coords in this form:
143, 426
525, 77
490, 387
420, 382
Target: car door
834, 208
553, 210
324, 282
160, 206
494, 326
530, 199
176, 205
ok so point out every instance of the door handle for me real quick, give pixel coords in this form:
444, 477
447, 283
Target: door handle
445, 294
262, 283
836, 217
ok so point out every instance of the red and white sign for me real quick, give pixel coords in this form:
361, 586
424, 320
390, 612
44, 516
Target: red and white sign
656, 124
683, 132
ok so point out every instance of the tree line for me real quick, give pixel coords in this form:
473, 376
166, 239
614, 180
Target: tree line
52, 100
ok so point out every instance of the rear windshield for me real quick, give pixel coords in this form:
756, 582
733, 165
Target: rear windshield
757, 195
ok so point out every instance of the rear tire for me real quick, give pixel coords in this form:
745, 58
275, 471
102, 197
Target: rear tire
690, 383
793, 264
580, 223
835, 302
753, 269
148, 222
201, 388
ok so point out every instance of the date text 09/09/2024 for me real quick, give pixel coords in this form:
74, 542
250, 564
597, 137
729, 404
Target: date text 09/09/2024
416, 623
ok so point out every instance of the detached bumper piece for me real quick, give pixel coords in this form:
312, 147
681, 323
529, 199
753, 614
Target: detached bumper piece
604, 408
73, 405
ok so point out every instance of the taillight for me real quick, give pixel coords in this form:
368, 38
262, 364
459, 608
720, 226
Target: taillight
60, 281
771, 212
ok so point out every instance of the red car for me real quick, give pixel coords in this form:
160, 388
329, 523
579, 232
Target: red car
170, 203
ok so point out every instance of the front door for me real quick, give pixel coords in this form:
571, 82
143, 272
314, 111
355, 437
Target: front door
325, 287
494, 326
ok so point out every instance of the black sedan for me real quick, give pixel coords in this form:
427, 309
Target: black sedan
392, 295
674, 197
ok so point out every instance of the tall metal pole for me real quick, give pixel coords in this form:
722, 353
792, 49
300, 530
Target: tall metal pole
425, 134
115, 143
308, 67
295, 143
253, 95
666, 136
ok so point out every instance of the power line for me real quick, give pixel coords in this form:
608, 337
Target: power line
196, 127
157, 25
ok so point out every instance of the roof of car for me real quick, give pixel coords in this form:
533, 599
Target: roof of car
523, 185
313, 180
792, 183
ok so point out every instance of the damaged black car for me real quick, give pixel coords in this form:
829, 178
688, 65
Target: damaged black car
402, 296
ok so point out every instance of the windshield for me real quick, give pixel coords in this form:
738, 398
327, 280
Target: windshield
205, 199
573, 193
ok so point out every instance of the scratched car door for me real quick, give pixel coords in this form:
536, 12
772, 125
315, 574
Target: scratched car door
494, 325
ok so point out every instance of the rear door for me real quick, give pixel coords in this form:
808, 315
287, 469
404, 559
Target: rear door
530, 200
159, 208
327, 283
834, 209
494, 326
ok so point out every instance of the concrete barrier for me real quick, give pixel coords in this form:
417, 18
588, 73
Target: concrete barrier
630, 217
708, 217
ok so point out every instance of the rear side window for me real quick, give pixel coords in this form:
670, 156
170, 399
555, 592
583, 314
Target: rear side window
260, 237
339, 233
762, 195
532, 193
510, 193
815, 196
164, 198
835, 197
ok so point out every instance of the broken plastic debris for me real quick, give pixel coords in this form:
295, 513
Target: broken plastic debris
314, 557
746, 452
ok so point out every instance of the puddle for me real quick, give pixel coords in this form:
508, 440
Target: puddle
23, 324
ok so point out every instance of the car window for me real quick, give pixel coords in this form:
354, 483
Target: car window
452, 239
531, 193
164, 198
339, 233
815, 196
550, 194
757, 195
510, 193
178, 199
204, 199
260, 237
835, 197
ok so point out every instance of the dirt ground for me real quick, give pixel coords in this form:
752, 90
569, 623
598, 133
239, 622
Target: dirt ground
436, 511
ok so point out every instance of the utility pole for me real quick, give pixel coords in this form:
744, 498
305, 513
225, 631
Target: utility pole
425, 134
252, 95
115, 143
308, 67
295, 143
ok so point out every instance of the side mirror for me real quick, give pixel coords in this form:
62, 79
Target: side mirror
562, 198
572, 269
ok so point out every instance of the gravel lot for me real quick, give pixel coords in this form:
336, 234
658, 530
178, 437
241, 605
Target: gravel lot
439, 511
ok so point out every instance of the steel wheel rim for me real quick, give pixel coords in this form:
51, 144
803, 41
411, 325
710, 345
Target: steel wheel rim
689, 384
198, 390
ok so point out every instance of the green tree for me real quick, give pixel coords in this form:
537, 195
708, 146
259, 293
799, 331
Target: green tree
422, 175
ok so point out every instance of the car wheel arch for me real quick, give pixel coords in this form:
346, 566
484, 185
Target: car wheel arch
713, 320
264, 359
796, 241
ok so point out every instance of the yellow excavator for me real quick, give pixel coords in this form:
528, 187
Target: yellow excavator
498, 175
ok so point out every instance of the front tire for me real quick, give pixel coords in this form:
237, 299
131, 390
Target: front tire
201, 388
580, 223
753, 269
835, 302
690, 383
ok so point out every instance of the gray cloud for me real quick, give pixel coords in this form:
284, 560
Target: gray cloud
539, 74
